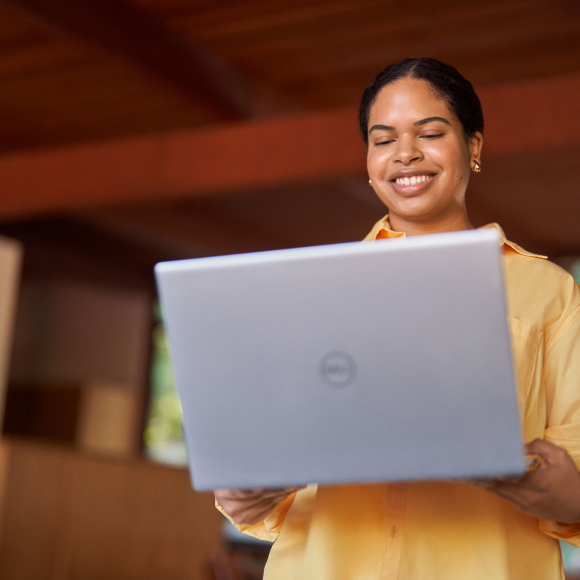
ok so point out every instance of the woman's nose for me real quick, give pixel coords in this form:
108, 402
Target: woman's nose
407, 151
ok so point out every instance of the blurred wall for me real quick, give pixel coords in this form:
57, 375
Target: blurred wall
68, 333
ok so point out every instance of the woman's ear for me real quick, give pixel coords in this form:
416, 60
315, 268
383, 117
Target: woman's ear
475, 144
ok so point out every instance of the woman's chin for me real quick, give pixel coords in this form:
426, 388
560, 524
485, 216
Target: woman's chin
413, 211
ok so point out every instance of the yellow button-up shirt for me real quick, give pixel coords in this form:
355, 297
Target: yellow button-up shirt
438, 530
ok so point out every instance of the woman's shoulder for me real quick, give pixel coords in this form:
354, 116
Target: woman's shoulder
528, 266
539, 291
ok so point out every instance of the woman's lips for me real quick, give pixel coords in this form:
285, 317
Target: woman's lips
411, 184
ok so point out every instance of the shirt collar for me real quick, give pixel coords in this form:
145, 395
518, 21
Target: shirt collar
382, 230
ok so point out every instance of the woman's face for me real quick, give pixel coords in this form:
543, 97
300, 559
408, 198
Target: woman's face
418, 157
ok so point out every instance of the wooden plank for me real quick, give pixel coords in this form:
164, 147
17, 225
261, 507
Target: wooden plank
70, 515
4, 463
36, 498
294, 44
182, 164
137, 520
521, 117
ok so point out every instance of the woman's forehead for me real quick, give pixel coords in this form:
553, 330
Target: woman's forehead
409, 99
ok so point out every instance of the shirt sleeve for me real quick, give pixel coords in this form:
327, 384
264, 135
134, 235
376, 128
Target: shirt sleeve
269, 529
562, 383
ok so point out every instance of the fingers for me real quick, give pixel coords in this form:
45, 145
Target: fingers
249, 506
552, 491
497, 485
553, 456
256, 492
279, 491
544, 448
533, 461
252, 496
513, 491
238, 499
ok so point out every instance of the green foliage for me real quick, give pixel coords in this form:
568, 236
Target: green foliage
165, 414
575, 271
571, 557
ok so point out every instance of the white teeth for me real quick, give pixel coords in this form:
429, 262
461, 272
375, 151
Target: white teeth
411, 181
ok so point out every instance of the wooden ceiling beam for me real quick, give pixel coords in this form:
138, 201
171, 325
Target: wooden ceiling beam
521, 117
130, 35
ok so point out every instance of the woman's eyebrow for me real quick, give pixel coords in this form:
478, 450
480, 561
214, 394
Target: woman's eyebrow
381, 128
430, 120
417, 124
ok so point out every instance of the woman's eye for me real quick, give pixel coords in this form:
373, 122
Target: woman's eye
434, 136
385, 142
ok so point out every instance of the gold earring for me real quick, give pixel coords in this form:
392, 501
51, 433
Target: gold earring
370, 183
476, 166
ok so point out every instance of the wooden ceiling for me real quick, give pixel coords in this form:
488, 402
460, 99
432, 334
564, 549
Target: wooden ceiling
83, 70
80, 71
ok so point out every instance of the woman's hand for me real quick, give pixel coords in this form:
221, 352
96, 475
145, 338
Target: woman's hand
551, 492
250, 506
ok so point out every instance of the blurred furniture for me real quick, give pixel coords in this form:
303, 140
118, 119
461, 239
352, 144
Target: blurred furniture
10, 261
97, 417
68, 514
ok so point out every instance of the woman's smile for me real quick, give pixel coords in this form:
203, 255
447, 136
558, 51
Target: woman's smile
411, 182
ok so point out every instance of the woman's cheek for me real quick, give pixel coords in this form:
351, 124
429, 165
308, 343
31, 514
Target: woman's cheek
377, 163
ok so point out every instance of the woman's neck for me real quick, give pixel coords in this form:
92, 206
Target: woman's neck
448, 223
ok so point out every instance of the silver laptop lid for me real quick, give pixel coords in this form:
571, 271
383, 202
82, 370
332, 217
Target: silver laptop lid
346, 363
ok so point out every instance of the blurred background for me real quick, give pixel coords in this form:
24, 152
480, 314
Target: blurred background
135, 131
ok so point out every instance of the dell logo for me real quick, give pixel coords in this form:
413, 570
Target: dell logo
337, 368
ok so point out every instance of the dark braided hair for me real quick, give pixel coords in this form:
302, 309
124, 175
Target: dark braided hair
445, 80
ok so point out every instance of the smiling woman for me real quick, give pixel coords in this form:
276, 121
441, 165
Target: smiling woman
423, 125
425, 134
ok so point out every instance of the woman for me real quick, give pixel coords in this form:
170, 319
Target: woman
423, 125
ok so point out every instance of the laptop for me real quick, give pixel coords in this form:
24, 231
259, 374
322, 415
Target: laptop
346, 363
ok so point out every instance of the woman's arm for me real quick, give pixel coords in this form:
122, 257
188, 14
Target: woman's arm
250, 506
551, 492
